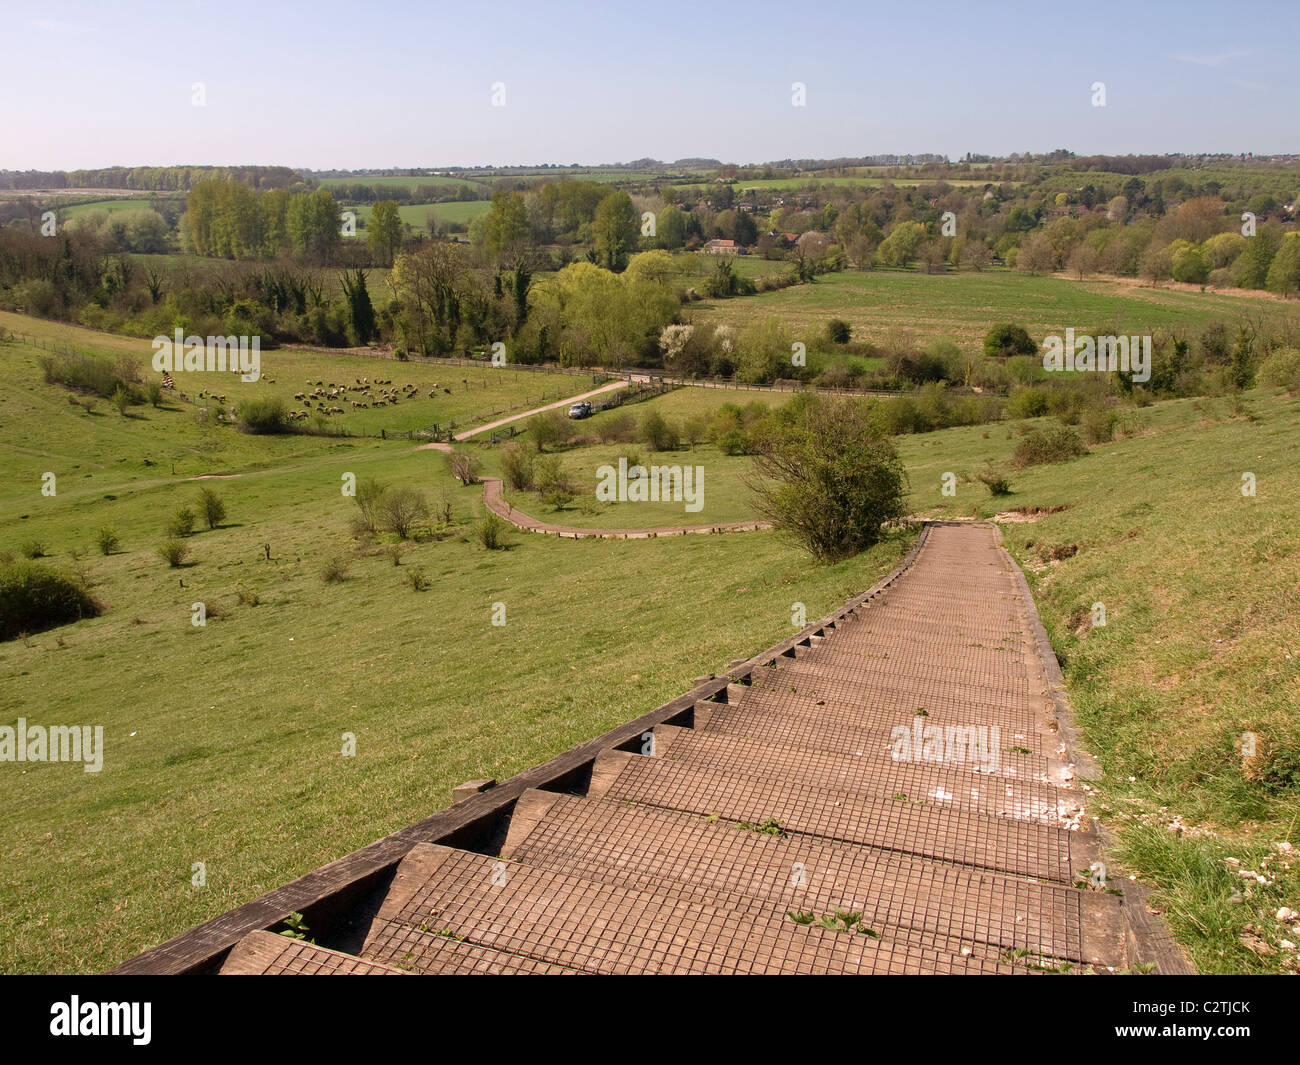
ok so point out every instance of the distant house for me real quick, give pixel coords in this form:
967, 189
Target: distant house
722, 247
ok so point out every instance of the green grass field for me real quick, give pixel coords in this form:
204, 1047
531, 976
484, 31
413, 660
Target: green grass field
855, 181
223, 742
400, 182
963, 306
417, 215
133, 203
475, 391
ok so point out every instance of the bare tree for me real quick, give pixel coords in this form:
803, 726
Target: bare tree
463, 466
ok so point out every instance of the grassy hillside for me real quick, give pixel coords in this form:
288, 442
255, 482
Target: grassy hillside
223, 742
461, 394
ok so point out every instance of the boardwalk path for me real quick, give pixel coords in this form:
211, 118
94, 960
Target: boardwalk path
724, 831
494, 499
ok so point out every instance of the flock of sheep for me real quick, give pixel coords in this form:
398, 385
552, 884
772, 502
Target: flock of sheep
376, 393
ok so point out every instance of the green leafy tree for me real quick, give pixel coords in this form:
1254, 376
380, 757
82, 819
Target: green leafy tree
1250, 268
1284, 271
361, 312
615, 230
504, 232
670, 228
899, 248
1007, 339
827, 477
312, 224
211, 507
384, 231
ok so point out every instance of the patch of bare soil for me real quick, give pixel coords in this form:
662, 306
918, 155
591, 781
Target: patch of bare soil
1022, 515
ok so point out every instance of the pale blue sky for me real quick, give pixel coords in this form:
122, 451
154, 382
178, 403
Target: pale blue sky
387, 83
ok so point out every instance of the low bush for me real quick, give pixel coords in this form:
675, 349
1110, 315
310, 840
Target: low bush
1048, 445
1281, 369
182, 523
334, 571
211, 507
263, 416
174, 552
659, 434
1099, 424
491, 531
997, 482
34, 598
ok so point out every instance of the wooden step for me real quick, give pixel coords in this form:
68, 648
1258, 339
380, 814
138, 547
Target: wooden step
269, 954
647, 847
906, 824
559, 918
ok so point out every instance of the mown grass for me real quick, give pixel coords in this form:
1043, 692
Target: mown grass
963, 306
417, 215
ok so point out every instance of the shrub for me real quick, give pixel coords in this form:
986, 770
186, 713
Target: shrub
838, 331
154, 392
631, 455
658, 433
997, 482
263, 415
517, 465
121, 399
211, 507
369, 493
491, 531
418, 581
34, 598
35, 549
1027, 403
555, 486
247, 597
828, 478
549, 427
1099, 424
442, 508
618, 427
174, 552
695, 427
402, 509
90, 374
108, 540
1052, 444
1006, 339
1281, 369
335, 571
182, 523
